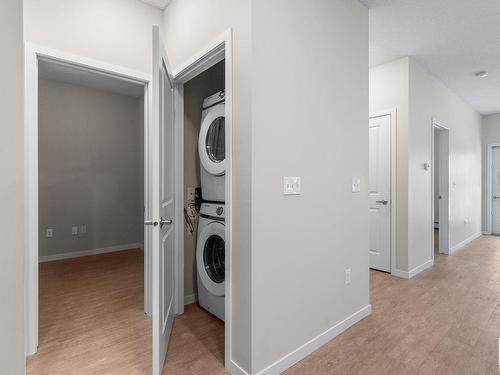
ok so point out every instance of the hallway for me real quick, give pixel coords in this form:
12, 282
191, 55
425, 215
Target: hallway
444, 321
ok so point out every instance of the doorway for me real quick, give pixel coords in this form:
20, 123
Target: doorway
381, 190
440, 189
87, 191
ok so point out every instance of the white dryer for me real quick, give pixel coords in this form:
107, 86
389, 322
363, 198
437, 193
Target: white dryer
212, 149
210, 258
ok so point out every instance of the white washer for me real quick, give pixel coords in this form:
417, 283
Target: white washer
212, 149
210, 258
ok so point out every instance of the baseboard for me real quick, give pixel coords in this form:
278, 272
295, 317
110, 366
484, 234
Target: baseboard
487, 232
84, 253
300, 353
236, 369
465, 242
413, 272
190, 298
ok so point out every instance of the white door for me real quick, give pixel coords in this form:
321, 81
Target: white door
164, 254
443, 159
379, 189
495, 191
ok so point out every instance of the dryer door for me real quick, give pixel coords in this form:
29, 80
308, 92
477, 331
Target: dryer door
212, 141
210, 258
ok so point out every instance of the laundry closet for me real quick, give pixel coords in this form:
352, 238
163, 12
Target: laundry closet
204, 189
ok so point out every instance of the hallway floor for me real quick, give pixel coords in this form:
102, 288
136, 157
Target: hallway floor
444, 321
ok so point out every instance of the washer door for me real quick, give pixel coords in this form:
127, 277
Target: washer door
212, 141
210, 258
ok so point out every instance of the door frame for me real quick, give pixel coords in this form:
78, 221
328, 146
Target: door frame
220, 48
435, 124
392, 112
489, 187
34, 53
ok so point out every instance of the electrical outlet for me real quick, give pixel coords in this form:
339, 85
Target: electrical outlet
49, 233
74, 230
291, 185
83, 228
347, 276
190, 195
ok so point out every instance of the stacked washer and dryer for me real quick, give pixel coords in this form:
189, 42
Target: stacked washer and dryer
210, 248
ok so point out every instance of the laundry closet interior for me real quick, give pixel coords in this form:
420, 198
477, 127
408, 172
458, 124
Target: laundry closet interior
201, 327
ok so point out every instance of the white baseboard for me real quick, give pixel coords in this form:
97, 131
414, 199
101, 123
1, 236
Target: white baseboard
236, 369
465, 242
300, 353
84, 253
487, 232
190, 298
413, 272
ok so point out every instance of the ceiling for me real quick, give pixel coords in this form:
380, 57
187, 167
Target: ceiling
60, 72
452, 39
161, 4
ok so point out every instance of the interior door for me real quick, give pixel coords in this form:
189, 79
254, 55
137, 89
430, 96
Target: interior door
379, 199
495, 191
443, 189
164, 253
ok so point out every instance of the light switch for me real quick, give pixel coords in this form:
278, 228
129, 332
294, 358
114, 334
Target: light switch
291, 185
74, 230
356, 185
49, 233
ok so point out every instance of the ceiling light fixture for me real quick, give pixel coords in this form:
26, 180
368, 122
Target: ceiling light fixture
482, 74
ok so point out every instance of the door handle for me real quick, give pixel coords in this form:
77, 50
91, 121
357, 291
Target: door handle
496, 197
383, 201
163, 222
150, 222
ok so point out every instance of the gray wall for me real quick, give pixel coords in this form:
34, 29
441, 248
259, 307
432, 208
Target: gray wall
90, 168
309, 119
206, 84
11, 190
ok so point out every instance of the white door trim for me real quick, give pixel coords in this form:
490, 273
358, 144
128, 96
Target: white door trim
33, 53
393, 186
489, 181
435, 124
217, 50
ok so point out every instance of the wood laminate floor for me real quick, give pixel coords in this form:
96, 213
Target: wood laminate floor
444, 321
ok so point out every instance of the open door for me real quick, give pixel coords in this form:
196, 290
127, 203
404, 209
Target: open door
163, 243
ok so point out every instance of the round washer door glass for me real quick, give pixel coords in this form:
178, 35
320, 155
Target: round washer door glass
215, 142
214, 258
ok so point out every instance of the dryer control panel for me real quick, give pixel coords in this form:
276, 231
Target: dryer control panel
216, 210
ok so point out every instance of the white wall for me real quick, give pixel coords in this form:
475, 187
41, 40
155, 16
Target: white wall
11, 190
309, 119
419, 97
428, 99
491, 134
189, 26
389, 90
90, 168
114, 31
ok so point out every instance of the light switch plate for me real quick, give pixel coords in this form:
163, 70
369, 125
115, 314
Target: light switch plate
74, 230
291, 185
49, 233
347, 276
356, 185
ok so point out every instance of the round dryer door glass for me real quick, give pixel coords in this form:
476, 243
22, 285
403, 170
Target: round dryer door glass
213, 258
215, 143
